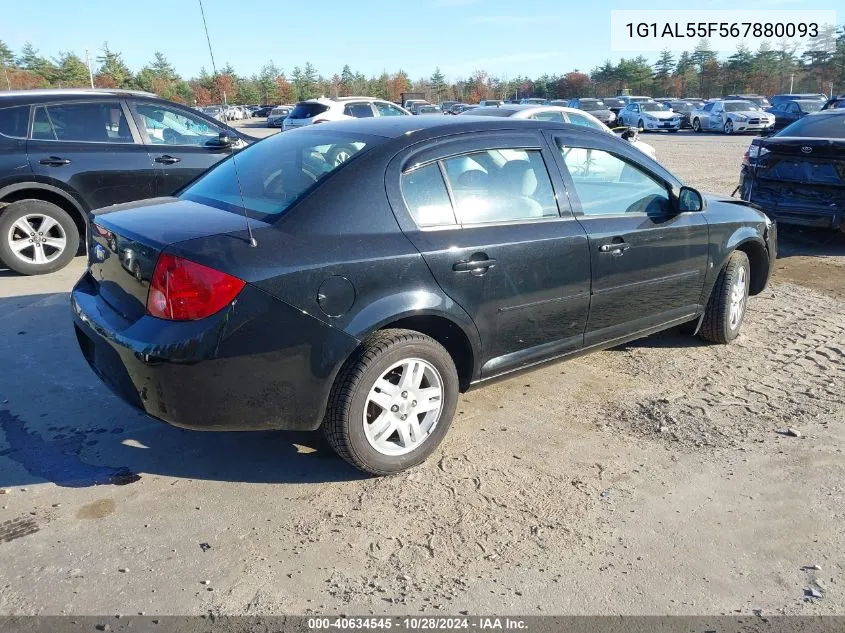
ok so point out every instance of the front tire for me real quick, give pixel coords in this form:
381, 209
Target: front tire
392, 403
37, 237
729, 127
726, 308
696, 125
640, 126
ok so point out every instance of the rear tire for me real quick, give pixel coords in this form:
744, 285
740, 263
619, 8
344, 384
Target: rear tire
726, 308
26, 249
377, 439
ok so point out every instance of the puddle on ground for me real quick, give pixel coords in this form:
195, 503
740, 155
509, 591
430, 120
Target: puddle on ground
57, 460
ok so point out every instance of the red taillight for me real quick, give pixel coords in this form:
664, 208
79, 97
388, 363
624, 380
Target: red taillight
182, 290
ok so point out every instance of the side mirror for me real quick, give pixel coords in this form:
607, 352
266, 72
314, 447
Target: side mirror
690, 200
225, 139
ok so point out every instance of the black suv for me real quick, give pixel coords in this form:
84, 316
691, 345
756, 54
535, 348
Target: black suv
66, 152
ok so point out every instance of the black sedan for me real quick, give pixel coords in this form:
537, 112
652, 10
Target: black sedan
788, 112
286, 290
798, 175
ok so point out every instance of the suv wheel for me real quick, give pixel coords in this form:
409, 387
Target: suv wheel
37, 237
726, 307
393, 402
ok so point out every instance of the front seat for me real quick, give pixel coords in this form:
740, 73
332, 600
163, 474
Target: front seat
515, 185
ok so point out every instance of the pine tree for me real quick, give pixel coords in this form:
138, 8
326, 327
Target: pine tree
6, 56
30, 60
70, 71
112, 69
438, 84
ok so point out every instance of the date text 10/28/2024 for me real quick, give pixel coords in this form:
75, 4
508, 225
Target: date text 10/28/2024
678, 30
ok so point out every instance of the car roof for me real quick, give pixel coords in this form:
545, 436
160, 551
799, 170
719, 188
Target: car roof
395, 127
19, 97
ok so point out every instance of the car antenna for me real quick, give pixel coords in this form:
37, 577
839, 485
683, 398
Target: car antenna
252, 241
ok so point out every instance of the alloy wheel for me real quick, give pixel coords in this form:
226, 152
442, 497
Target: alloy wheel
729, 127
403, 407
739, 294
37, 239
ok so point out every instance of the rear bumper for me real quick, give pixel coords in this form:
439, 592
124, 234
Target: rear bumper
259, 364
791, 211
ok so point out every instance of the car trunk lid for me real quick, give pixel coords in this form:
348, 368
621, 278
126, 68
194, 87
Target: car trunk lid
126, 240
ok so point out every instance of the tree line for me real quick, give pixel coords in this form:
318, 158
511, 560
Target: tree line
701, 72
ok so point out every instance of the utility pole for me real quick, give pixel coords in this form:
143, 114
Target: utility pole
90, 74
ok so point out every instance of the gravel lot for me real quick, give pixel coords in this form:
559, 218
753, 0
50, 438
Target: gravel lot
652, 478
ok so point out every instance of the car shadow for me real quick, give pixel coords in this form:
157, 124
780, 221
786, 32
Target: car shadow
60, 424
798, 240
679, 337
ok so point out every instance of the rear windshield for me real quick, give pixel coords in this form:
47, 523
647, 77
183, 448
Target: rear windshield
273, 174
14, 121
614, 103
740, 106
307, 110
591, 104
490, 111
817, 126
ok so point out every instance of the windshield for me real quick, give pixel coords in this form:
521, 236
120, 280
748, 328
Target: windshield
740, 106
653, 107
817, 126
639, 99
613, 103
275, 173
279, 111
590, 104
429, 109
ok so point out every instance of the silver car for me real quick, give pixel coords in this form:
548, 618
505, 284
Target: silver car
595, 107
730, 117
650, 116
278, 115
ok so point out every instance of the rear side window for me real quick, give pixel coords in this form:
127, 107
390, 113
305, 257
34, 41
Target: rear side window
608, 185
358, 110
817, 126
425, 194
387, 109
307, 110
14, 121
580, 119
549, 116
101, 122
500, 185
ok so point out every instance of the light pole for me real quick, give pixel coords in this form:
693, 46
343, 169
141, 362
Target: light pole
791, 82
88, 60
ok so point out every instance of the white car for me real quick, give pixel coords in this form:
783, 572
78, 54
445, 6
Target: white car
322, 110
731, 116
650, 116
560, 114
